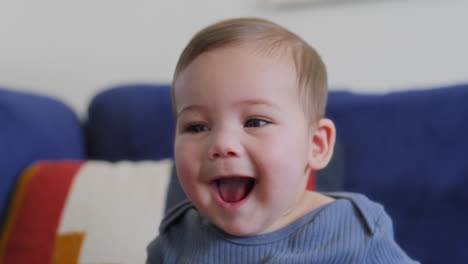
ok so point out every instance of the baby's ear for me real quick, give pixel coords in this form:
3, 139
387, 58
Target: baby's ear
323, 140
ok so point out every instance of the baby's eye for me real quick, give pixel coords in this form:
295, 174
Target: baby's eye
256, 122
195, 128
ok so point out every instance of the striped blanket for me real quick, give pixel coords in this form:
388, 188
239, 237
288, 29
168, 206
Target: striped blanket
86, 212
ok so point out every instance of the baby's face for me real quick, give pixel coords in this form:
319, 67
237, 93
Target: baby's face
243, 143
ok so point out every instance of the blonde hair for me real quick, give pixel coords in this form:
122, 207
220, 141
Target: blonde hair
310, 69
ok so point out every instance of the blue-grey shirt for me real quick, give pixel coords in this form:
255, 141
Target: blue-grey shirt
351, 229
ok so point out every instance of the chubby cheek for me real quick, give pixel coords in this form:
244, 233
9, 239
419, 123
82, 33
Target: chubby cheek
186, 165
283, 168
188, 158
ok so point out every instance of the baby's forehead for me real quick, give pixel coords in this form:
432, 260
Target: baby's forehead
237, 66
227, 60
269, 56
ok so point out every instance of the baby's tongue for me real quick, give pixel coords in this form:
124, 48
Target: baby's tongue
234, 189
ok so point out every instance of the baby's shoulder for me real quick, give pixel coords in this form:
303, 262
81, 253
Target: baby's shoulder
358, 209
363, 225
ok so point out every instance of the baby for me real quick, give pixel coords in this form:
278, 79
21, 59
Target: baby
249, 100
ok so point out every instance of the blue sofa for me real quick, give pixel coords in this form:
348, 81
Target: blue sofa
34, 127
406, 150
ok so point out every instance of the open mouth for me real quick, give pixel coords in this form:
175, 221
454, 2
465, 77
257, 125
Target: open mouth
234, 189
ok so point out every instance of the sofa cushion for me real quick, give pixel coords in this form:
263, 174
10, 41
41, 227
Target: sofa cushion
33, 127
408, 151
131, 122
85, 212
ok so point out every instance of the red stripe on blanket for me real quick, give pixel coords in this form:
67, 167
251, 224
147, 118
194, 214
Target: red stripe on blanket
33, 232
311, 181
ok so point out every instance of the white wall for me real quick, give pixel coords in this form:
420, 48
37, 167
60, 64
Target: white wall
73, 49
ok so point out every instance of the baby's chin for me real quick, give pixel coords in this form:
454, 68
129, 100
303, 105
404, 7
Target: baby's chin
245, 229
240, 231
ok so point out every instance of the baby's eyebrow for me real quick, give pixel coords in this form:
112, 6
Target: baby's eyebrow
192, 108
240, 103
258, 102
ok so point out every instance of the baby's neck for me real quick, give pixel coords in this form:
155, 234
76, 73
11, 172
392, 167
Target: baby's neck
310, 201
307, 202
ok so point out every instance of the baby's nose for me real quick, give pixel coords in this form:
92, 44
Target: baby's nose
225, 146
